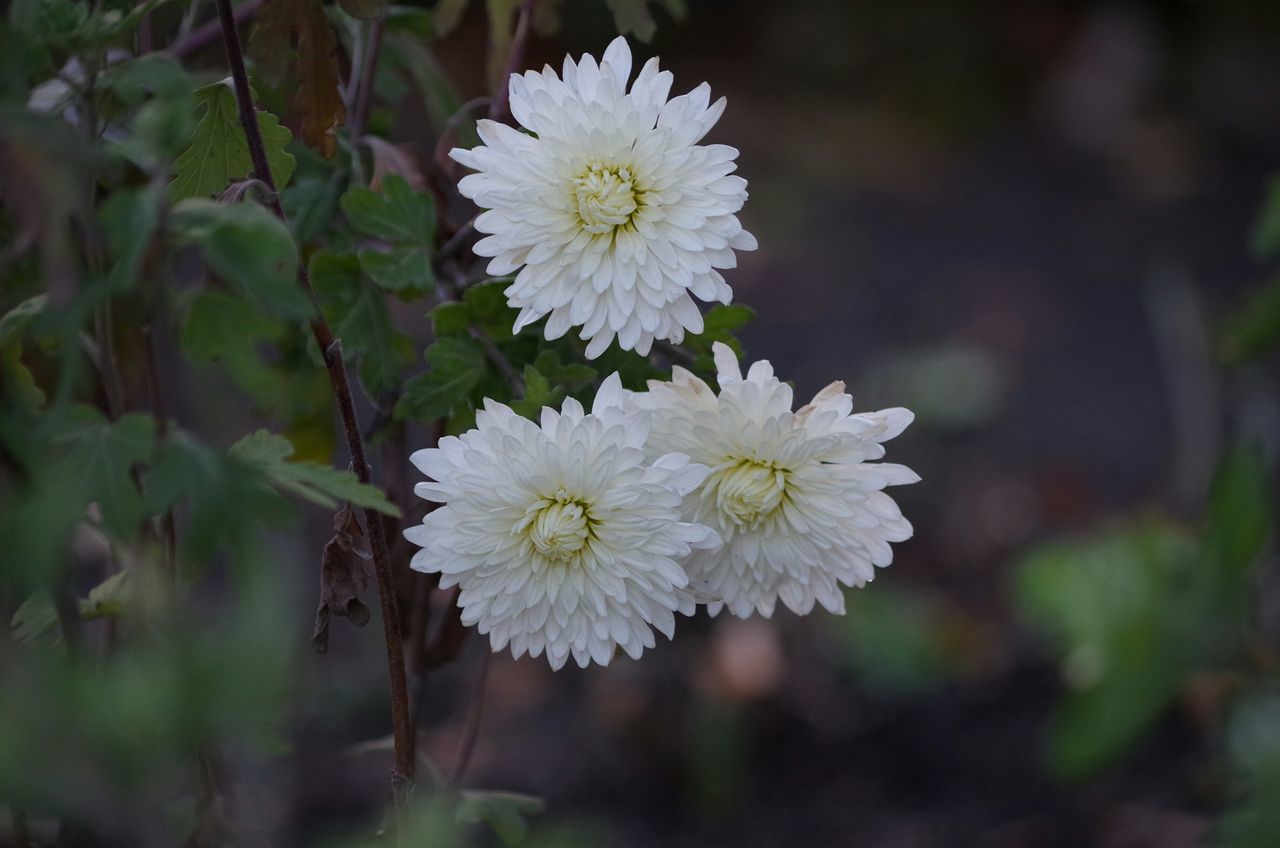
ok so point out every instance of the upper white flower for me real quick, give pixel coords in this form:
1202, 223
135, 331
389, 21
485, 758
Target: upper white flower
562, 537
609, 203
792, 494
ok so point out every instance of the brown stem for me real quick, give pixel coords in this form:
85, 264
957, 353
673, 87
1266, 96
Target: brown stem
331, 348
499, 106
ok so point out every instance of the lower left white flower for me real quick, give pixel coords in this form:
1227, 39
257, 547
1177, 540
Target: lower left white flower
561, 536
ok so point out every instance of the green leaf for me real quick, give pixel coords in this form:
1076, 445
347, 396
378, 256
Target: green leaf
1253, 821
36, 622
14, 322
398, 214
104, 452
155, 74
267, 452
311, 205
227, 328
538, 392
1241, 512
634, 16
487, 306
1254, 329
129, 218
451, 319
1266, 229
218, 153
1130, 622
248, 246
457, 366
358, 313
505, 812
403, 270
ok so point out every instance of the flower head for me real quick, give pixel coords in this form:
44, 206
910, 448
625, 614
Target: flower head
561, 535
793, 494
609, 208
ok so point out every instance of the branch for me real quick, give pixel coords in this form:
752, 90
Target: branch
499, 106
210, 31
331, 348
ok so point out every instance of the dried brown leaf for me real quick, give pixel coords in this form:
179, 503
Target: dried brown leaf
342, 577
300, 28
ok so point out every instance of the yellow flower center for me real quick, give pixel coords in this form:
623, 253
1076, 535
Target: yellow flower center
607, 197
747, 491
559, 527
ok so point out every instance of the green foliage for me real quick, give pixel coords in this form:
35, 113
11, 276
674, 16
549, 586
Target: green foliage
635, 16
1254, 751
268, 453
447, 390
1116, 605
357, 312
405, 221
505, 812
104, 452
247, 246
218, 153
1253, 330
898, 642
720, 324
1241, 513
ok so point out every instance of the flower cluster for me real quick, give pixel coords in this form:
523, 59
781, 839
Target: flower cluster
586, 531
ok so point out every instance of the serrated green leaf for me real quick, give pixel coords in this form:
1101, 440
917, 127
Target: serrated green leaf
457, 366
311, 205
403, 270
488, 308
104, 453
249, 247
398, 214
450, 319
538, 392
268, 453
358, 313
218, 153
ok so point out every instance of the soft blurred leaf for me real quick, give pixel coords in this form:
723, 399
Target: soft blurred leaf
1119, 606
248, 246
1266, 228
36, 622
1253, 330
105, 453
129, 218
1242, 511
635, 16
223, 327
320, 484
505, 812
218, 152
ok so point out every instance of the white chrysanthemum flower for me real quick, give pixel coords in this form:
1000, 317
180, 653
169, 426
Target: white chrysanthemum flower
611, 206
793, 495
562, 536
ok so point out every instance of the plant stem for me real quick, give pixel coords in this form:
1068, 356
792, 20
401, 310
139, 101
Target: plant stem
362, 96
331, 348
499, 106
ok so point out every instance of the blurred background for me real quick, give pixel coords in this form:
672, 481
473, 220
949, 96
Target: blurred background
1029, 223
1040, 225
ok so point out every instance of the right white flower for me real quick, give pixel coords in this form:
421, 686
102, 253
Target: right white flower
793, 494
